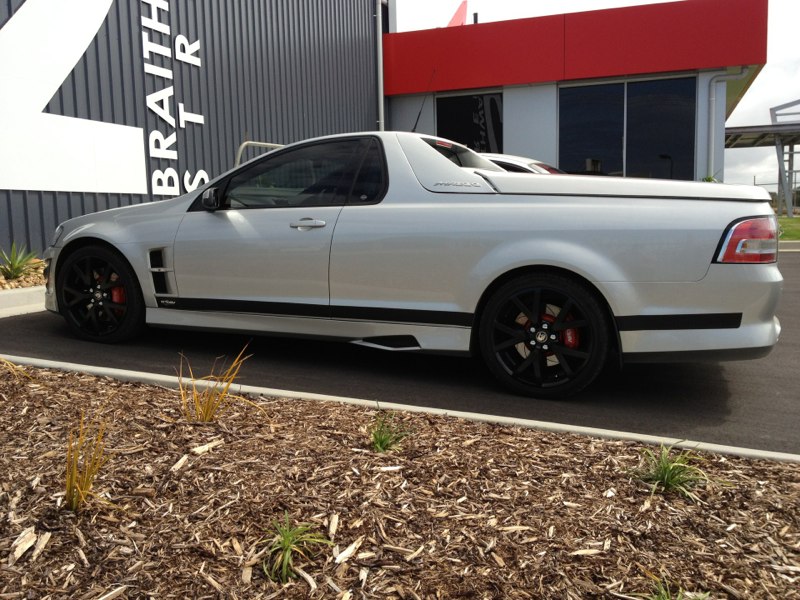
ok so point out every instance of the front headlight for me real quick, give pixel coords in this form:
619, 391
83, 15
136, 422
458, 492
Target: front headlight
57, 235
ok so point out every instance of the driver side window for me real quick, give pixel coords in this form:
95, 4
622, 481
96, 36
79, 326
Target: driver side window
316, 175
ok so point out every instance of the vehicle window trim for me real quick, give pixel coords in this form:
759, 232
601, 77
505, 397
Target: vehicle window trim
385, 169
224, 185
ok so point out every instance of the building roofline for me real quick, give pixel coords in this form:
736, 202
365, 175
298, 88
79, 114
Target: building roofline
658, 38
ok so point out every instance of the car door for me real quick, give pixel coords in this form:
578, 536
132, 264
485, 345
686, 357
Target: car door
267, 249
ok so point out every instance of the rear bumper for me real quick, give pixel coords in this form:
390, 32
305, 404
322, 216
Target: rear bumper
712, 355
729, 315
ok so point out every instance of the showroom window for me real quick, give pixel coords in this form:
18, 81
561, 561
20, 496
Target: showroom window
635, 129
475, 121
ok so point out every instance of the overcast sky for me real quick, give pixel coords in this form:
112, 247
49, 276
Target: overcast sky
778, 82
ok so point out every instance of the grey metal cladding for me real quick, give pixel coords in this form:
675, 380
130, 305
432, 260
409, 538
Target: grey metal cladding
273, 70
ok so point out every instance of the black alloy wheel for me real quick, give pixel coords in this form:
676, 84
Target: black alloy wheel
545, 336
99, 295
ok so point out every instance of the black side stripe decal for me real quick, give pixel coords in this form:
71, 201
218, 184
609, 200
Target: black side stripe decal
433, 317
427, 317
245, 306
669, 322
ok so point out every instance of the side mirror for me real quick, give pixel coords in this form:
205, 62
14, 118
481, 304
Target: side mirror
211, 199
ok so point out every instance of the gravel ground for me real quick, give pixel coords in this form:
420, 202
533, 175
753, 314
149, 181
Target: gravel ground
33, 278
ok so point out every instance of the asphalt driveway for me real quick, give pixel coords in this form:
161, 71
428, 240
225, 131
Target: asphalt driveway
753, 404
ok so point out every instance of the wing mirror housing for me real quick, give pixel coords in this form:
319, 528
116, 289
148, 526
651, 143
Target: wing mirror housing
211, 199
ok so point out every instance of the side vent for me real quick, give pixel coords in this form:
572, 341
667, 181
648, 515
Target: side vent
157, 271
156, 259
160, 283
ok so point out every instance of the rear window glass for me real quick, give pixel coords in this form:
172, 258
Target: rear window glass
461, 155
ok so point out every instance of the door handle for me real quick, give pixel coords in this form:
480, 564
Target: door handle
306, 224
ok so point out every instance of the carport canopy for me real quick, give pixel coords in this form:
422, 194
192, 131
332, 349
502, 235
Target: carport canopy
781, 136
759, 136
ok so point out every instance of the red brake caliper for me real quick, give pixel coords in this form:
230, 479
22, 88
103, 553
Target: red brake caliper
569, 337
118, 295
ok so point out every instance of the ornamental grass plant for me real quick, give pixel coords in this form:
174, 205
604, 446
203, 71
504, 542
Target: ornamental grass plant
386, 434
203, 399
290, 542
668, 472
85, 458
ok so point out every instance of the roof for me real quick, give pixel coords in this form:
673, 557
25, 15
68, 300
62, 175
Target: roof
657, 38
759, 136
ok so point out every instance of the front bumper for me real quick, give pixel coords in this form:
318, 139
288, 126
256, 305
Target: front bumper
50, 258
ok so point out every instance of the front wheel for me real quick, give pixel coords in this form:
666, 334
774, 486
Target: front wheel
99, 295
544, 335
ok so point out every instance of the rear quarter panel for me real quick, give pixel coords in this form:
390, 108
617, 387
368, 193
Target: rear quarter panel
432, 251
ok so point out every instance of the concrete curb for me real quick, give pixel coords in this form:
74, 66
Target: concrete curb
790, 246
21, 301
172, 382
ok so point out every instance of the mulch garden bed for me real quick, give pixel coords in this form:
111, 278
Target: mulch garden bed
458, 510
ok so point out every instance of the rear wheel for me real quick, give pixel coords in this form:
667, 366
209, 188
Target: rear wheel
544, 335
99, 295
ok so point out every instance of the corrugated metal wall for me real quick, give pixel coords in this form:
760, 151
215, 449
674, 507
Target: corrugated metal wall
272, 70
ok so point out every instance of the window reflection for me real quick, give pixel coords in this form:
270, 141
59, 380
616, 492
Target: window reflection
661, 128
658, 139
591, 122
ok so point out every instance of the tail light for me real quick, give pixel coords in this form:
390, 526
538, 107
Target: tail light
753, 240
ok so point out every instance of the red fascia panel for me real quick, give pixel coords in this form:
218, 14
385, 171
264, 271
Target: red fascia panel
474, 56
657, 38
677, 36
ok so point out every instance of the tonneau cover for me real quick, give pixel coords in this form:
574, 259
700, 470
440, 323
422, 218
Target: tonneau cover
588, 185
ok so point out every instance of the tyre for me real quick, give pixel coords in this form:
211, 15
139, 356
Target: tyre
99, 295
544, 335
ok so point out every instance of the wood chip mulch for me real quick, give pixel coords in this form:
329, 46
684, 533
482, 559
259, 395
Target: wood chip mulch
459, 510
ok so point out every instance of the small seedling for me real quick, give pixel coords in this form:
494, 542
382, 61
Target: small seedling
290, 541
661, 591
205, 401
85, 457
668, 473
16, 264
386, 435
